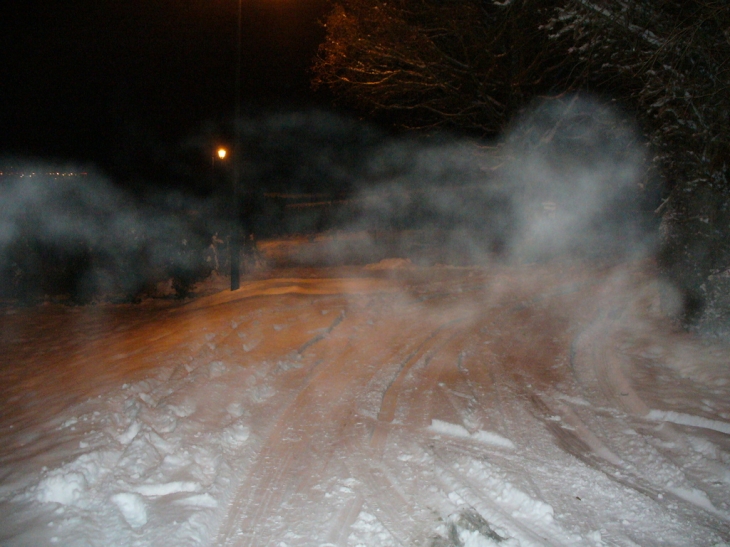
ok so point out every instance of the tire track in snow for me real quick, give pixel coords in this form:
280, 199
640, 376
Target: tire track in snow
404, 518
523, 370
397, 511
274, 471
421, 355
598, 367
312, 465
473, 366
257, 502
400, 513
323, 335
502, 515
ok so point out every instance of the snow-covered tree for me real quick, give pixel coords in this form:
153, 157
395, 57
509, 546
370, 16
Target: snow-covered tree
473, 64
437, 63
669, 62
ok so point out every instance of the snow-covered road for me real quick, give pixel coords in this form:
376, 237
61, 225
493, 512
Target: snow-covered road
514, 406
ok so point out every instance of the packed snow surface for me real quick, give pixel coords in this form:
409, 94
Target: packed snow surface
388, 405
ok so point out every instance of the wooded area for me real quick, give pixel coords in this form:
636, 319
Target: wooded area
473, 65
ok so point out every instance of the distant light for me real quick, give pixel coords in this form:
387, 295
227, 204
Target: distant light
222, 153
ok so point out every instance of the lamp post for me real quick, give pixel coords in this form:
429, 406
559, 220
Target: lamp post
235, 245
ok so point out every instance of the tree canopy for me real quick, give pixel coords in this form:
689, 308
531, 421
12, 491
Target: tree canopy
426, 63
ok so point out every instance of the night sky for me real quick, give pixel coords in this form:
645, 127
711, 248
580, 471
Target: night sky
128, 85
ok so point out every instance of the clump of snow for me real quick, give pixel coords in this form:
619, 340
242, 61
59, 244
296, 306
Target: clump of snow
132, 507
697, 497
236, 434
446, 428
456, 430
488, 437
70, 483
687, 419
64, 487
200, 500
165, 489
129, 435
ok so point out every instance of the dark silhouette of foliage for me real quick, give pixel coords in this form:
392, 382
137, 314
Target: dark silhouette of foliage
424, 63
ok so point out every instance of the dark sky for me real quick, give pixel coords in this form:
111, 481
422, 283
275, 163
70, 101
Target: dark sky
108, 81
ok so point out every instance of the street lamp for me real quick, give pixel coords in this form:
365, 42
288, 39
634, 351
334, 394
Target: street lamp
235, 246
218, 155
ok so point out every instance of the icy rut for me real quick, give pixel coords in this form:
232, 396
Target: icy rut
540, 405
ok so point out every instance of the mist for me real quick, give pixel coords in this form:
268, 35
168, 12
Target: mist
70, 232
445, 341
569, 179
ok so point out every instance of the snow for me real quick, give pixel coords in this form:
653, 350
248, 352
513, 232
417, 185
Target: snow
686, 419
132, 507
456, 430
386, 405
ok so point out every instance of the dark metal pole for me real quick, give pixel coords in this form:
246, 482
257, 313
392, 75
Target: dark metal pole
235, 245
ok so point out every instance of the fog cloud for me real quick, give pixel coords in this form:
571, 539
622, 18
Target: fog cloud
569, 178
578, 175
71, 230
